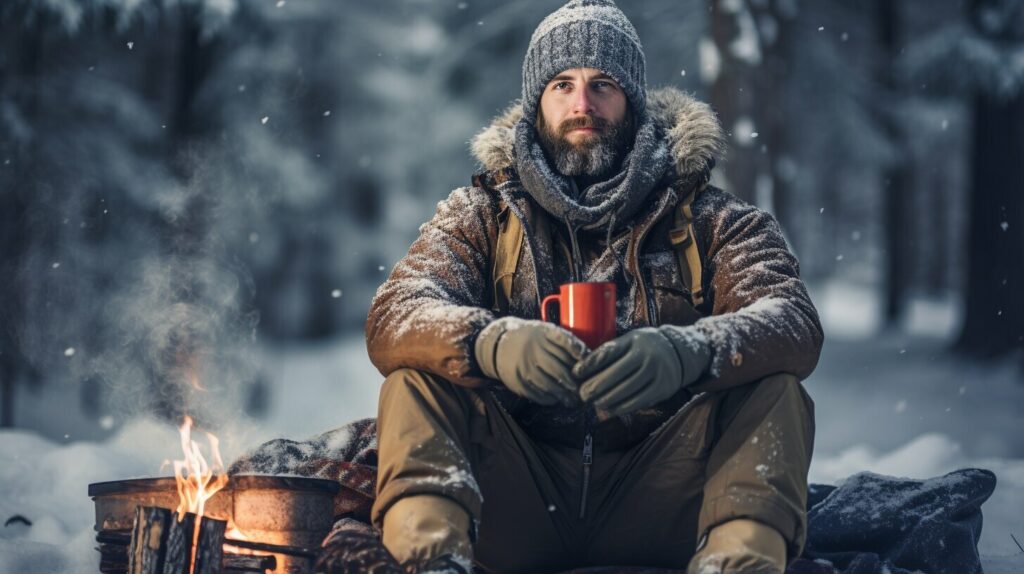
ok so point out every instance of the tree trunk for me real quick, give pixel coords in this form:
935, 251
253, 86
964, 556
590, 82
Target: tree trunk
752, 43
896, 176
732, 96
994, 307
15, 238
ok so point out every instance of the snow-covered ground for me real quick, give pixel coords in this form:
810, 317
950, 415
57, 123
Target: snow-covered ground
893, 403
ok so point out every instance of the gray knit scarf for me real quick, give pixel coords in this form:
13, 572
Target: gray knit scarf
601, 206
607, 203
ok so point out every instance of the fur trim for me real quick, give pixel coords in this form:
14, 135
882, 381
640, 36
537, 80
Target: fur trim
695, 137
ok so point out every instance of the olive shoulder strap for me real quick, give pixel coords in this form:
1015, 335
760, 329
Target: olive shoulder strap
684, 242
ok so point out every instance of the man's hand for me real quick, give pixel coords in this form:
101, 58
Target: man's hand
533, 359
641, 368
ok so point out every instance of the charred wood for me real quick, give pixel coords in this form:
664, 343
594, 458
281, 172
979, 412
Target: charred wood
179, 544
210, 547
146, 551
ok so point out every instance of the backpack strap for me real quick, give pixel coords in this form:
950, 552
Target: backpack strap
685, 244
506, 257
509, 243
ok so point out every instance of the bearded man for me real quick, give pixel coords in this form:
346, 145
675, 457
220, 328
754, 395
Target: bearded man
506, 444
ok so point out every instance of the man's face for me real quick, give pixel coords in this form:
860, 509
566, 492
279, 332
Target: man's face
584, 122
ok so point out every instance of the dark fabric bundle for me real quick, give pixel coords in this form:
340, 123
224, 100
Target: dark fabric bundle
873, 524
870, 524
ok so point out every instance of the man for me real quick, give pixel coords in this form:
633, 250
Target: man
505, 441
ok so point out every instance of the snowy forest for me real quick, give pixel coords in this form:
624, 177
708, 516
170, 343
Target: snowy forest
199, 198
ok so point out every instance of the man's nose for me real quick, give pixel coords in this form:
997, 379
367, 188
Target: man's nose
582, 104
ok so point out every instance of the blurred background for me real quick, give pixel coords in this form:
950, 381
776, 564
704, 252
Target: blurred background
198, 198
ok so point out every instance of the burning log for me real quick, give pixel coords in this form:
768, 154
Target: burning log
176, 548
210, 548
160, 544
179, 545
146, 552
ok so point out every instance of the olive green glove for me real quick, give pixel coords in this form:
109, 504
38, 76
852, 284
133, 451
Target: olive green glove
533, 359
642, 368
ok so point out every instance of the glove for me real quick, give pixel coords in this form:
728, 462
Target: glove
533, 359
642, 368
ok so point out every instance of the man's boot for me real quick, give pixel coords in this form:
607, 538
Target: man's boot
429, 534
741, 546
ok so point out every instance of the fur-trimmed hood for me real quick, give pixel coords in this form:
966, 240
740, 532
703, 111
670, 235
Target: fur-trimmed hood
692, 132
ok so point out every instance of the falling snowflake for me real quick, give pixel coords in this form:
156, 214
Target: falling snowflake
900, 406
336, 293
265, 119
1005, 225
69, 352
131, 45
327, 113
682, 72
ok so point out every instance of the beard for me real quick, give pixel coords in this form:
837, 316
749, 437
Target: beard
596, 156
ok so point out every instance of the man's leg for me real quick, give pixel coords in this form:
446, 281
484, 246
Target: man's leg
754, 518
441, 443
426, 492
742, 453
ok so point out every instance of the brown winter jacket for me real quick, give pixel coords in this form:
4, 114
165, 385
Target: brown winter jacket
757, 314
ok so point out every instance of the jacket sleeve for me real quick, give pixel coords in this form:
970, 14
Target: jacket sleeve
762, 320
429, 311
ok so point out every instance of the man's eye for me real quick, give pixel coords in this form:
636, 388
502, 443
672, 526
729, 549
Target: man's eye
562, 86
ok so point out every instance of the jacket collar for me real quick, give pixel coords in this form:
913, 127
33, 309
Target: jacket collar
691, 129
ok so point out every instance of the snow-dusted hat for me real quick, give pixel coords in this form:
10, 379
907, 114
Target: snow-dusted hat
585, 34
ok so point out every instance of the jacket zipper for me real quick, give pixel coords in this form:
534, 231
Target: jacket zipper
588, 459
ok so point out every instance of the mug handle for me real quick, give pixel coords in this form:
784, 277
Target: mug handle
544, 305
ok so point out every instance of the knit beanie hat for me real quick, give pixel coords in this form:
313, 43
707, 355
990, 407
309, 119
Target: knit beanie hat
585, 34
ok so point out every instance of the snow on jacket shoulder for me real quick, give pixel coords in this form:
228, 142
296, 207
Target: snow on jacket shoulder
429, 311
762, 319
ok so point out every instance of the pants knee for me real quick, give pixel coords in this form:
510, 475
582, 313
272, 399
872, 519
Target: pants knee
787, 387
406, 382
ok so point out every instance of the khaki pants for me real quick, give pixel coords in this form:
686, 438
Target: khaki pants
738, 453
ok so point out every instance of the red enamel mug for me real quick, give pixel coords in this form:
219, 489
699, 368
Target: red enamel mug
587, 310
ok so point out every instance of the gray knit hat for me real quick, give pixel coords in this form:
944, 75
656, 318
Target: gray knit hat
585, 34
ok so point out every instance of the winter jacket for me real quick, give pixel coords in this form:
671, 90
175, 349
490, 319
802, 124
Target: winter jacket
756, 314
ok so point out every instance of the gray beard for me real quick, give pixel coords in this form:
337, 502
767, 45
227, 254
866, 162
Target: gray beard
593, 159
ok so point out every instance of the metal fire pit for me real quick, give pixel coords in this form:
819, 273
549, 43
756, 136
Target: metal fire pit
288, 511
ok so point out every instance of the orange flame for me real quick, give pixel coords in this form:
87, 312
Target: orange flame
196, 479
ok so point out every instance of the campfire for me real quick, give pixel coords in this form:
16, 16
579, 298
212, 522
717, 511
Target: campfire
202, 522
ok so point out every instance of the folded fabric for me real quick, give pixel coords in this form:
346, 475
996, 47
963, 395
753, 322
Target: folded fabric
869, 524
873, 524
